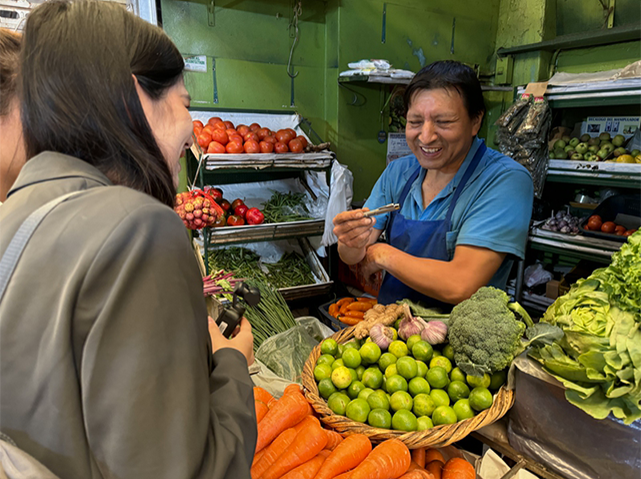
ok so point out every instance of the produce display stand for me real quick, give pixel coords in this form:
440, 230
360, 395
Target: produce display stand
439, 436
305, 161
264, 232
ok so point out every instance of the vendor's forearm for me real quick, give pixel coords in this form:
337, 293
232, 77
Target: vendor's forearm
350, 255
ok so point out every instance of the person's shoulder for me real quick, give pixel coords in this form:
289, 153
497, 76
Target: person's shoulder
498, 164
402, 163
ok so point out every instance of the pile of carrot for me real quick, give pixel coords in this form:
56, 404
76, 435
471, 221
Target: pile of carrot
292, 444
351, 310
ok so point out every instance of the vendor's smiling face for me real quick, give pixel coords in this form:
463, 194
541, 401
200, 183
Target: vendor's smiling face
439, 129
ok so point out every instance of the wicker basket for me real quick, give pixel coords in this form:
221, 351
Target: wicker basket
439, 436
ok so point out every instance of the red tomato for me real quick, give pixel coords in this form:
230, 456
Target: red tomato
608, 227
303, 140
234, 147
270, 139
231, 132
241, 210
209, 129
220, 125
220, 136
234, 220
236, 203
266, 147
281, 147
251, 136
254, 216
629, 232
594, 224
204, 139
220, 221
597, 217
263, 132
251, 146
216, 147
254, 127
295, 146
291, 132
213, 120
284, 136
228, 124
242, 130
224, 204
197, 131
619, 230
216, 193
198, 123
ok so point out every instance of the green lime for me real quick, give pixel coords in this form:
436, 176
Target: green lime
457, 375
422, 350
378, 400
341, 377
357, 410
404, 420
370, 352
341, 348
365, 393
423, 423
380, 418
329, 346
373, 378
322, 371
338, 402
443, 415
326, 388
424, 405
337, 364
437, 377
457, 390
480, 399
478, 382
462, 409
326, 359
401, 400
498, 379
418, 385
440, 397
355, 388
359, 372
407, 367
351, 358
448, 352
351, 344
436, 353
353, 373
422, 368
398, 348
397, 323
390, 370
412, 340
386, 359
441, 361
396, 383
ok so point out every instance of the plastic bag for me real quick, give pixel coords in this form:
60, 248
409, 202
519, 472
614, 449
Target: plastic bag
535, 275
340, 198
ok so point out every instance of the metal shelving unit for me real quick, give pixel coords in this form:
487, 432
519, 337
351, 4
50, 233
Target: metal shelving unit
386, 80
593, 249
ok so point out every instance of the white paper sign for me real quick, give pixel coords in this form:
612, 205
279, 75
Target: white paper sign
397, 146
197, 63
614, 125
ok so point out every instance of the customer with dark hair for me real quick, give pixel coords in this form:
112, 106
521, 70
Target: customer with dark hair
12, 154
465, 209
108, 368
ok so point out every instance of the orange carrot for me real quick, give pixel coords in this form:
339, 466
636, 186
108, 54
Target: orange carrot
367, 300
347, 455
388, 460
413, 466
287, 412
263, 395
261, 410
292, 388
343, 301
309, 469
273, 452
345, 475
308, 443
457, 468
333, 439
361, 306
435, 468
433, 455
354, 314
257, 457
333, 310
417, 474
418, 456
350, 321
306, 420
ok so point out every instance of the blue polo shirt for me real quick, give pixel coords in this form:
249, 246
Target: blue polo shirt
493, 210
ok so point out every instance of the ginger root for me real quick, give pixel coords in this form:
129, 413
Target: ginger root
378, 314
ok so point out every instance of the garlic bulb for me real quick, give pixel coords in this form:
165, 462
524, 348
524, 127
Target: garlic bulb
381, 335
409, 325
435, 332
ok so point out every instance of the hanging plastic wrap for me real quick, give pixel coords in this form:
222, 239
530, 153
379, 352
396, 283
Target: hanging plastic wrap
523, 133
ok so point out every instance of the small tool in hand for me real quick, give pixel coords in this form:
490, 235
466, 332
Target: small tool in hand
382, 210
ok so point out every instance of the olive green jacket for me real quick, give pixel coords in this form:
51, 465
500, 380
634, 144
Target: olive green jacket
106, 368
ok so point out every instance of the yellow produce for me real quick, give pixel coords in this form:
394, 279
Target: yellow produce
625, 159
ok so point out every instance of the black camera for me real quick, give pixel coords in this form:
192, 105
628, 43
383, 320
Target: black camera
231, 314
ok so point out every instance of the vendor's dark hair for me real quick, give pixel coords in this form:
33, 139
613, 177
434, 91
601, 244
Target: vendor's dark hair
451, 75
79, 97
9, 60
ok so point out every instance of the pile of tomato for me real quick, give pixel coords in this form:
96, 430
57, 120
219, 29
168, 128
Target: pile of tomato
596, 223
237, 213
219, 136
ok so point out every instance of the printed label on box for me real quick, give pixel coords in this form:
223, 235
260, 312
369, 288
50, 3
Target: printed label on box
397, 146
614, 125
197, 63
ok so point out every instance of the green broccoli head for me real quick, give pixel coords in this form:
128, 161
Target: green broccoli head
484, 333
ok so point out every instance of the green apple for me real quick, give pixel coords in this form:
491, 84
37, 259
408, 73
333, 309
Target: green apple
585, 138
607, 146
559, 144
604, 136
593, 148
590, 157
594, 142
577, 157
582, 148
566, 138
618, 140
574, 142
602, 153
568, 148
560, 154
620, 151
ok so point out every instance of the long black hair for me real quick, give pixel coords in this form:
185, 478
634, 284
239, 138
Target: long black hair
450, 75
78, 93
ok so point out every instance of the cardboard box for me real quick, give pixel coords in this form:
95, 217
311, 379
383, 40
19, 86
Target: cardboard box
552, 289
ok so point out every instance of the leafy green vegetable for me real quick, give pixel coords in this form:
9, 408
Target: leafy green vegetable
428, 314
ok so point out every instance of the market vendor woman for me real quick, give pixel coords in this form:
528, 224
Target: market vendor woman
465, 208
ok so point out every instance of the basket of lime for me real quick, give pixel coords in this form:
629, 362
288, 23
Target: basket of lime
410, 389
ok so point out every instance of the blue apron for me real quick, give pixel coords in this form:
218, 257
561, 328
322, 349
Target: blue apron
423, 239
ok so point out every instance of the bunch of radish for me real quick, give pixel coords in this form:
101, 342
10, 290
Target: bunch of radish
197, 209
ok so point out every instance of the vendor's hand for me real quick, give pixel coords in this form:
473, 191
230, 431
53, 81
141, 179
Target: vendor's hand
242, 340
353, 229
371, 264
